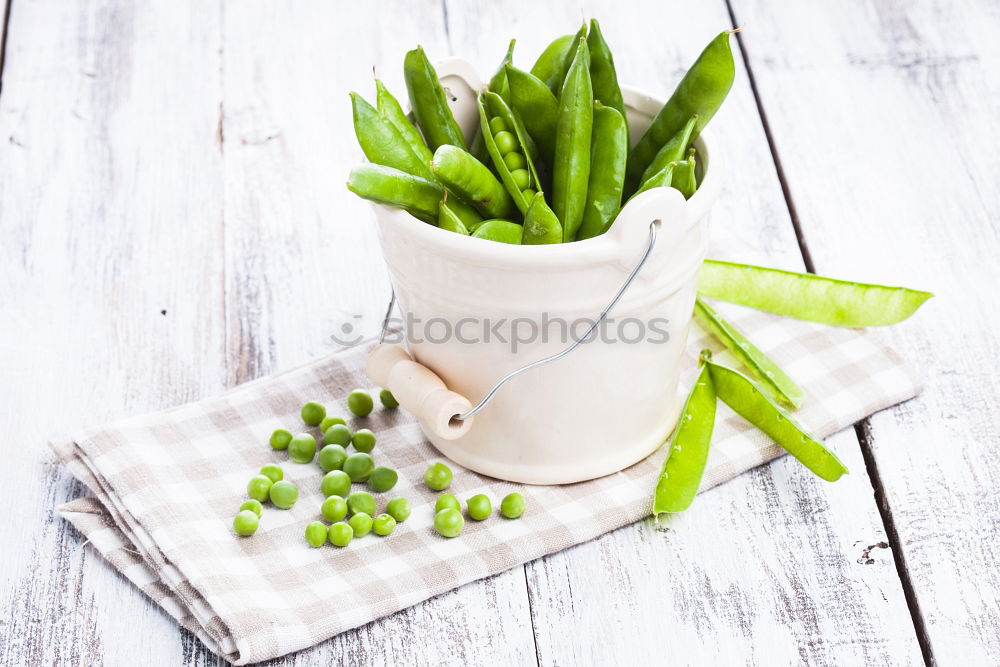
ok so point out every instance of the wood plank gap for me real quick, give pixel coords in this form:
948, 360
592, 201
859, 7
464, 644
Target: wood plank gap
447, 26
4, 29
863, 431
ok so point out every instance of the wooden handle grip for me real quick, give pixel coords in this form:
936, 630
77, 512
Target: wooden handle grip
419, 390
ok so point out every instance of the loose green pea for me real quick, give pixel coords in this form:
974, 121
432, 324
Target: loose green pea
512, 505
283, 494
388, 400
361, 523
335, 483
359, 466
505, 141
280, 439
383, 478
258, 487
360, 403
331, 457
340, 534
330, 421
449, 522
316, 534
361, 502
522, 179
273, 472
245, 523
252, 505
398, 509
302, 448
497, 125
514, 161
437, 477
363, 440
313, 413
334, 508
446, 500
337, 434
479, 507
383, 524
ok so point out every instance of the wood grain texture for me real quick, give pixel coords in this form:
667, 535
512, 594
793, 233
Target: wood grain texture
901, 86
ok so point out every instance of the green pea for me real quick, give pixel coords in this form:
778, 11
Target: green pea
313, 413
505, 141
449, 522
479, 507
330, 421
360, 403
384, 185
302, 448
512, 505
252, 505
361, 523
273, 472
514, 161
363, 440
337, 434
334, 508
522, 179
359, 467
258, 487
283, 494
331, 457
497, 125
383, 479
335, 483
340, 534
316, 534
383, 524
446, 500
245, 523
280, 439
501, 231
361, 502
472, 180
437, 477
388, 400
398, 509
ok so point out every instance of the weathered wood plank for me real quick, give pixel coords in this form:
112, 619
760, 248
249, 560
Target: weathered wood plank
861, 98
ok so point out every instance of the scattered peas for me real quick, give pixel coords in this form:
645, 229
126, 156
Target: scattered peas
437, 477
383, 524
245, 523
364, 440
447, 501
449, 522
388, 400
258, 487
334, 508
512, 505
479, 507
359, 466
361, 523
331, 457
340, 534
280, 439
316, 534
252, 505
313, 413
283, 494
330, 421
360, 403
273, 472
398, 509
383, 479
337, 434
361, 501
302, 448
335, 483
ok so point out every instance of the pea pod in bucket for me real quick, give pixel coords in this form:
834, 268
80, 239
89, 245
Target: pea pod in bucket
510, 148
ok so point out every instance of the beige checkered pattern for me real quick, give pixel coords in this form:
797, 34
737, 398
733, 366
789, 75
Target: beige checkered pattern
166, 487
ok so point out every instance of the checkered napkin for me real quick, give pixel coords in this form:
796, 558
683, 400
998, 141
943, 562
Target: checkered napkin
167, 485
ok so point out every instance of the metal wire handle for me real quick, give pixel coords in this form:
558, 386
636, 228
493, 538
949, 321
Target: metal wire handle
558, 355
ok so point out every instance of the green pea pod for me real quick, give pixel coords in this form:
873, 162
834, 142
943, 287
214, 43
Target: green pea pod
471, 180
549, 66
701, 92
683, 178
571, 166
429, 103
540, 224
805, 296
501, 231
581, 35
537, 108
492, 106
687, 454
448, 220
748, 401
465, 212
662, 179
608, 152
771, 378
672, 151
390, 109
385, 185
499, 84
381, 141
602, 72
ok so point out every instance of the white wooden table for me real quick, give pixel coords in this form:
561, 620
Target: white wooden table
173, 222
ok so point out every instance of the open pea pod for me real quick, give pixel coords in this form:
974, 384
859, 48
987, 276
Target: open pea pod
805, 296
522, 186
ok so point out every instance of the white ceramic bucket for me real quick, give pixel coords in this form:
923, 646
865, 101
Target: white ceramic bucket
609, 403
